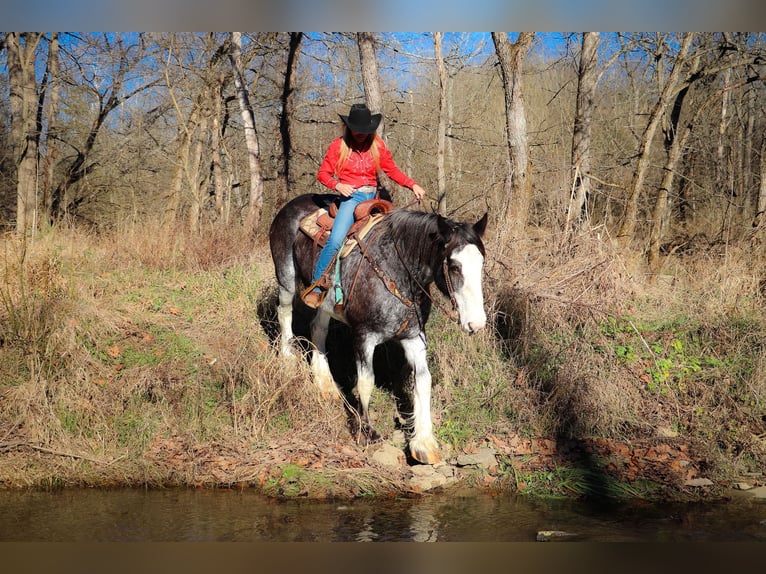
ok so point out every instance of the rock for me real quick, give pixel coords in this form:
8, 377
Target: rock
742, 486
758, 492
553, 535
423, 470
445, 470
388, 455
698, 482
484, 457
426, 478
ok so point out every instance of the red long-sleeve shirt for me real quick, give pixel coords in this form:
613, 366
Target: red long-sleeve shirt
359, 168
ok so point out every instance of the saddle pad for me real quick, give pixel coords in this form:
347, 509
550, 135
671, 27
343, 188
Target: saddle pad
317, 225
311, 226
350, 243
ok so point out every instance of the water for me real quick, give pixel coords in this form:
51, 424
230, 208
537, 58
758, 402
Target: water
244, 516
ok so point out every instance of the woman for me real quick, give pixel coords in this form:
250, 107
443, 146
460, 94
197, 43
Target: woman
350, 168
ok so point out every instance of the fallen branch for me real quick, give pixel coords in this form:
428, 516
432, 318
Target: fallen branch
14, 445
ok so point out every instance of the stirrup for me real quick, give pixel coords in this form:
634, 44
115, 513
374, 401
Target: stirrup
316, 301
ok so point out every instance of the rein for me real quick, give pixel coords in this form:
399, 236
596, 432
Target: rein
393, 288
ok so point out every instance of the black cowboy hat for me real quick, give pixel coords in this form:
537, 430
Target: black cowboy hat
360, 120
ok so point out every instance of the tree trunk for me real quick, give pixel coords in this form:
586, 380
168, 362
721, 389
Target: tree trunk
370, 76
661, 205
518, 185
285, 117
441, 130
747, 159
630, 214
760, 209
722, 168
373, 95
216, 143
24, 135
587, 78
173, 201
255, 206
197, 186
51, 137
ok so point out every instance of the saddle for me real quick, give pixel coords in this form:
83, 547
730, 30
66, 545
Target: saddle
318, 225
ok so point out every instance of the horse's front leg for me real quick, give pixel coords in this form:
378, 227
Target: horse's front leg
285, 317
423, 445
320, 368
365, 383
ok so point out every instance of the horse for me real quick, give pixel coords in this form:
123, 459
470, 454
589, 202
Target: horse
386, 283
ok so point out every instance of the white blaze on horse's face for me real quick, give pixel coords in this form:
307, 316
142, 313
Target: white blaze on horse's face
469, 297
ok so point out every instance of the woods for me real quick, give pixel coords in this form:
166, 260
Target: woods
650, 135
625, 179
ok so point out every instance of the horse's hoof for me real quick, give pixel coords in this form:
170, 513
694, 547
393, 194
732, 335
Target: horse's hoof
426, 452
286, 352
367, 435
372, 435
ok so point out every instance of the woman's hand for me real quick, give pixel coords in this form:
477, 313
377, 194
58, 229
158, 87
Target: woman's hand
419, 192
345, 189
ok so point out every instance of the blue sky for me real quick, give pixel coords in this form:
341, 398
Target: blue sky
390, 15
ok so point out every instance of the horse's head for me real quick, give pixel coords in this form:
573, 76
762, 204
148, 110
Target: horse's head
462, 270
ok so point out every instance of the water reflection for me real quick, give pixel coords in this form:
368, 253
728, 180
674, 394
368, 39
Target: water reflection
222, 515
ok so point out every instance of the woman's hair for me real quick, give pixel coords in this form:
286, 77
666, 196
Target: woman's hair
345, 148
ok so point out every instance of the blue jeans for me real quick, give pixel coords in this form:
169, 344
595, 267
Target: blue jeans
343, 222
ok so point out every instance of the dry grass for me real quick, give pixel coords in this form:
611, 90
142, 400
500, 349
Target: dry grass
111, 341
114, 345
607, 349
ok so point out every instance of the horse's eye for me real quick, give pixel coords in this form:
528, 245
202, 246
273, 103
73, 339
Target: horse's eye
454, 268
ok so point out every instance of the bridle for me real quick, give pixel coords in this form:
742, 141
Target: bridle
393, 288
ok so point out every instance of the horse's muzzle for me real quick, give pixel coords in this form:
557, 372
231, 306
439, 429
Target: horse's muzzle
474, 325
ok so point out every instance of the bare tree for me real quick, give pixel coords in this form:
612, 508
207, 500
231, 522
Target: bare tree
370, 75
107, 97
216, 155
191, 120
287, 111
255, 205
22, 50
587, 78
441, 130
49, 107
670, 88
518, 184
760, 208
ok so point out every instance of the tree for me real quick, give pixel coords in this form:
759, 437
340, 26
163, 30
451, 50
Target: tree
106, 91
287, 111
25, 135
370, 76
517, 184
186, 190
441, 130
50, 94
587, 78
255, 205
668, 90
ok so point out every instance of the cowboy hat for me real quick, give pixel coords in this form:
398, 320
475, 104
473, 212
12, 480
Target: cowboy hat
360, 120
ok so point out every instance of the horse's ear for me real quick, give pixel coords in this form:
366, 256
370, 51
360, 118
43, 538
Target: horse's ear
445, 228
480, 226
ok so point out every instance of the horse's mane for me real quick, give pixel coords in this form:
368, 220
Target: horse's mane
422, 229
414, 231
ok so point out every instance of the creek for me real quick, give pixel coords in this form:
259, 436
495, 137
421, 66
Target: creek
181, 515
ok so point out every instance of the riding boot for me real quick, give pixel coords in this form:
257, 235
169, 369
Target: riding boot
314, 298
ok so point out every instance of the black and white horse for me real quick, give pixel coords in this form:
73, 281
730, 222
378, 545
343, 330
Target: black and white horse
386, 285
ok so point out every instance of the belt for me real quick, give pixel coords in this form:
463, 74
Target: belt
367, 189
